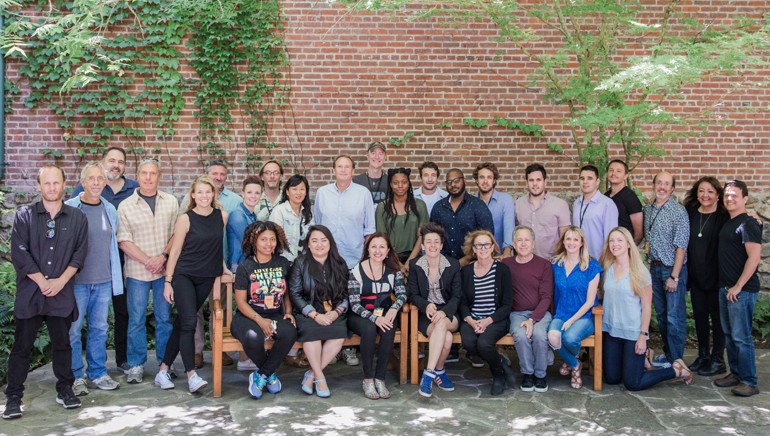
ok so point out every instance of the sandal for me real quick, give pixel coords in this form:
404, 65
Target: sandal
577, 380
382, 390
648, 359
682, 371
370, 391
565, 369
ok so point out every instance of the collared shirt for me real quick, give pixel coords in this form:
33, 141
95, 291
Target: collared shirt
265, 207
432, 199
115, 198
504, 216
472, 214
597, 217
149, 232
348, 214
237, 222
115, 267
545, 220
666, 228
293, 226
32, 252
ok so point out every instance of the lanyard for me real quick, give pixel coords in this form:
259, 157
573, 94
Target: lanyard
583, 211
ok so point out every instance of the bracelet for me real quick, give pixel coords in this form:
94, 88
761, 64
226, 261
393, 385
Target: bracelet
168, 281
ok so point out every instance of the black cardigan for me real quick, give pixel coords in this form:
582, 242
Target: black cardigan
450, 287
503, 292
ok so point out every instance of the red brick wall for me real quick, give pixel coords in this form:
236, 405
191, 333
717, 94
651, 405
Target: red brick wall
359, 77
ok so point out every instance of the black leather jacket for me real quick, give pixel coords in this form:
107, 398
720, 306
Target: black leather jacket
302, 287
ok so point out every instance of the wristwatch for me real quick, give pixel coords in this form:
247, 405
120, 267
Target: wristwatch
646, 334
165, 255
676, 279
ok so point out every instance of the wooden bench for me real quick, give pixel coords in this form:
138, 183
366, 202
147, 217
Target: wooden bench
594, 344
223, 341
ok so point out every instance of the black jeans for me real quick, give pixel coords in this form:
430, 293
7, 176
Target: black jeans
120, 309
253, 340
189, 295
621, 363
485, 344
705, 307
23, 341
368, 332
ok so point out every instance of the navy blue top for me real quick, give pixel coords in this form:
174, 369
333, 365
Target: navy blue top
570, 291
472, 214
114, 198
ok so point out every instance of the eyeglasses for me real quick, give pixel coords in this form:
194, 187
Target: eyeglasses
51, 232
99, 179
484, 246
271, 173
455, 180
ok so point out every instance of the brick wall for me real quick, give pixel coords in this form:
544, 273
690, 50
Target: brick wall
359, 77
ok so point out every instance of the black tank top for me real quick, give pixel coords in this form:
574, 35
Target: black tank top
202, 250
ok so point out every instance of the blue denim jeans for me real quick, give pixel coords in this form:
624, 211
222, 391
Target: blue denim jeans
736, 322
570, 338
621, 363
137, 296
532, 351
670, 310
93, 301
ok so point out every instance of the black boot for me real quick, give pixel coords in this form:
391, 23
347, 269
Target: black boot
716, 366
498, 385
701, 362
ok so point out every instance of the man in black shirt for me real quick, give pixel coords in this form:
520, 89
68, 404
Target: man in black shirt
629, 207
48, 246
739, 255
375, 178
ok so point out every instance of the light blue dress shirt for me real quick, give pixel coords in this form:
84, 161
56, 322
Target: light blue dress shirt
349, 214
502, 207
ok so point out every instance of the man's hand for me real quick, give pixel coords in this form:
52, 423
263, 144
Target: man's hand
732, 294
155, 264
54, 287
530, 326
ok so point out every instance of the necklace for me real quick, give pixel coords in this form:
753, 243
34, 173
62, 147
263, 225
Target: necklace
702, 224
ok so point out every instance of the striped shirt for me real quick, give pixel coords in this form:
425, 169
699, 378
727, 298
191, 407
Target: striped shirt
484, 303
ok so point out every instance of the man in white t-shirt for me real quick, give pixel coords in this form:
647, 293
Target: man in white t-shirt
429, 192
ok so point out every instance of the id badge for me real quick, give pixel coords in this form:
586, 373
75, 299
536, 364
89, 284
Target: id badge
269, 301
378, 311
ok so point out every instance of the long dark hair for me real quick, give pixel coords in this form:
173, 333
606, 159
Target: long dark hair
252, 232
295, 180
691, 198
333, 285
389, 203
392, 263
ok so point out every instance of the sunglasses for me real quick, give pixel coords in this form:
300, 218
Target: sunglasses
51, 232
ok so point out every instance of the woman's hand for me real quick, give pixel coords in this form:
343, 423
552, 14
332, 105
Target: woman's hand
473, 323
383, 323
324, 319
567, 324
641, 345
266, 325
483, 324
391, 315
438, 316
168, 293
430, 311
291, 319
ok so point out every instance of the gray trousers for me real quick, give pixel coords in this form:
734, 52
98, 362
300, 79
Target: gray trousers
533, 352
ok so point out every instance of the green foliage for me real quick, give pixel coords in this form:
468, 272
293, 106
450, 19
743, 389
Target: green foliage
475, 123
11, 92
445, 125
761, 322
535, 130
399, 142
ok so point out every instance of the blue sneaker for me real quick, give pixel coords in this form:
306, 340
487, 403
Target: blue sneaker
426, 385
661, 361
443, 382
273, 384
257, 384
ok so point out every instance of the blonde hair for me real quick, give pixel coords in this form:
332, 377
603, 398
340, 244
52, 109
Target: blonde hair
561, 252
636, 269
468, 244
205, 180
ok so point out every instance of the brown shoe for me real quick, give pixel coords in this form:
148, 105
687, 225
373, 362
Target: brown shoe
198, 360
298, 361
682, 371
226, 360
744, 390
727, 381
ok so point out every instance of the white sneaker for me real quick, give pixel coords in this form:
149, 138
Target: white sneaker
246, 365
163, 380
135, 374
80, 387
105, 383
349, 356
195, 382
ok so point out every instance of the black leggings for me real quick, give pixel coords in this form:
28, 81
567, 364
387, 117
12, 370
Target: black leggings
485, 344
189, 295
705, 305
252, 338
368, 332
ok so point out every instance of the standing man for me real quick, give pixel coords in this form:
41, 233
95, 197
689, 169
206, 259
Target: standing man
594, 212
547, 215
375, 179
271, 174
100, 278
429, 192
117, 189
532, 280
667, 229
628, 204
459, 214
500, 205
740, 247
49, 242
145, 225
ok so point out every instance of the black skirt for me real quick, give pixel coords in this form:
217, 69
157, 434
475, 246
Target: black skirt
308, 330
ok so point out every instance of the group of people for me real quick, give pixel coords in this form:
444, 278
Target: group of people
484, 265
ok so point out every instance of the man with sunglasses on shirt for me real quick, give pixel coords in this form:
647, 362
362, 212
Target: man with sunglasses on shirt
48, 246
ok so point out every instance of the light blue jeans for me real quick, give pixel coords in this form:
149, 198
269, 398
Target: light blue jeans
736, 322
670, 309
137, 296
570, 338
532, 351
93, 301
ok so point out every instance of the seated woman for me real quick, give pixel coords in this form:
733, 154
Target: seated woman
263, 311
576, 280
485, 305
319, 291
627, 301
434, 285
377, 293
400, 215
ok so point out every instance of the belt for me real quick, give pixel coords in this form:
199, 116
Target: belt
657, 263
